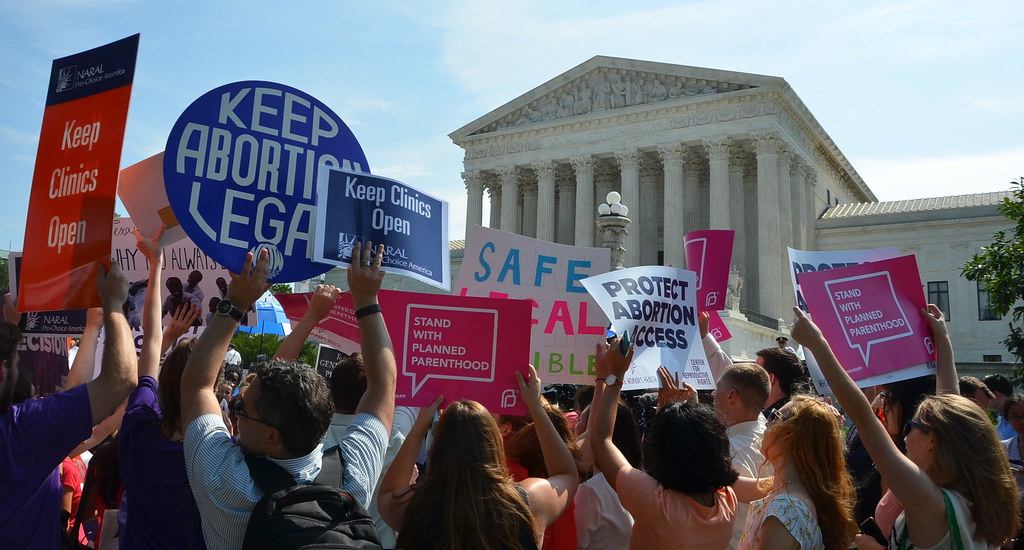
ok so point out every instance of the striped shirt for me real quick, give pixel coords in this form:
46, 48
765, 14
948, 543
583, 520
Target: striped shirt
226, 494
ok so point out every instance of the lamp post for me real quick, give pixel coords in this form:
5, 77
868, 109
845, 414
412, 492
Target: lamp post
613, 226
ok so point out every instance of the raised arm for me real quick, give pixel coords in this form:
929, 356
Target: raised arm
197, 396
551, 496
921, 498
394, 488
319, 306
364, 278
602, 413
946, 380
152, 332
718, 360
84, 366
119, 375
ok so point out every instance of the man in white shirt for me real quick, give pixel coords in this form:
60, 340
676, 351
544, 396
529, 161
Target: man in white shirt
739, 394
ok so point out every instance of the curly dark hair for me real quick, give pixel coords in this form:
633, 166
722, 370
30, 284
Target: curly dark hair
689, 434
294, 399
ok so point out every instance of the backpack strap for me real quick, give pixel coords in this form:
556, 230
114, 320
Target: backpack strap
269, 477
332, 469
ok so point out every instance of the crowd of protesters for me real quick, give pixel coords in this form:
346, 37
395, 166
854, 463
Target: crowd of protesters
171, 448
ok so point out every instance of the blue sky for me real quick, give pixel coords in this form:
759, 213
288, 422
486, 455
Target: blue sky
923, 97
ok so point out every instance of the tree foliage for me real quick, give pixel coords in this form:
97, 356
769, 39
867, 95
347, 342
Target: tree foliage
280, 288
253, 346
1000, 268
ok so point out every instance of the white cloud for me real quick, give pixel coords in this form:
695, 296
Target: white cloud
908, 178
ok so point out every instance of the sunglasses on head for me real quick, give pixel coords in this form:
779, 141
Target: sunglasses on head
776, 416
911, 424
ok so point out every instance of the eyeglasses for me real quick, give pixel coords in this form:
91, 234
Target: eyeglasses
884, 398
775, 416
238, 409
911, 424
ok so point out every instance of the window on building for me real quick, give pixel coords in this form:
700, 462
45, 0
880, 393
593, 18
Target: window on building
938, 294
985, 312
992, 358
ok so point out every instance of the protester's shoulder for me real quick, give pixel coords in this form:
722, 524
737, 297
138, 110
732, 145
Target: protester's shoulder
144, 396
207, 433
67, 407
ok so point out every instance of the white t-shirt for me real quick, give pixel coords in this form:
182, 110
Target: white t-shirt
233, 357
745, 446
601, 521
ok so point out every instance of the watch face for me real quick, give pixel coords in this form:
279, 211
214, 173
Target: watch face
224, 306
611, 379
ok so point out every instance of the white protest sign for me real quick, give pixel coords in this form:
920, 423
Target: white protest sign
658, 307
806, 261
567, 323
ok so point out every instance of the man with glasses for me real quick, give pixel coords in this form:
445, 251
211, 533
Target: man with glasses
283, 414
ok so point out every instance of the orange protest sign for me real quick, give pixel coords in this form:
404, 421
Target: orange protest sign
74, 184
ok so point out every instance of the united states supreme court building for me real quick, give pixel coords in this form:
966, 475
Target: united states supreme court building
692, 148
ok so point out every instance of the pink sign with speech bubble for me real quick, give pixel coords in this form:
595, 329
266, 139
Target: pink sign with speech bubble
870, 315
709, 254
460, 347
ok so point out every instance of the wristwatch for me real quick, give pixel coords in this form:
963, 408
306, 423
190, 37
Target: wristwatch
226, 308
612, 380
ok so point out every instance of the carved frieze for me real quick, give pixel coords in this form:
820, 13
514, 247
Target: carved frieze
605, 89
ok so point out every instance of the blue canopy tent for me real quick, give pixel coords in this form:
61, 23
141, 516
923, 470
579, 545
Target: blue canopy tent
270, 319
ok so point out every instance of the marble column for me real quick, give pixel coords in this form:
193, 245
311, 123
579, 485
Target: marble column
736, 213
509, 197
529, 227
785, 162
647, 224
494, 190
606, 179
673, 200
474, 200
585, 209
691, 192
810, 177
768, 146
629, 166
545, 200
565, 181
750, 296
796, 201
718, 159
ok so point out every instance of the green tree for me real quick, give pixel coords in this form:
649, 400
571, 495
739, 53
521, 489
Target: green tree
1000, 268
280, 288
4, 283
252, 346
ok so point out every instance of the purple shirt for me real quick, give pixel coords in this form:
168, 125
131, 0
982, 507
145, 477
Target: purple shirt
161, 510
35, 436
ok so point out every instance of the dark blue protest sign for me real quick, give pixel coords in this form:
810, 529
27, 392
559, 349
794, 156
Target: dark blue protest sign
357, 207
68, 322
240, 171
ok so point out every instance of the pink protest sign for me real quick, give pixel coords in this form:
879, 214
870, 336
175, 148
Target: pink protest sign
709, 254
717, 328
870, 315
460, 347
338, 330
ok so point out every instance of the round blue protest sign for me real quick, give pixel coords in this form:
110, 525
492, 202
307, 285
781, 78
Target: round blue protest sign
240, 168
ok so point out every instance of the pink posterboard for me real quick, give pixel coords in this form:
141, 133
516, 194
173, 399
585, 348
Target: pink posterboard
709, 254
458, 346
870, 315
717, 328
338, 329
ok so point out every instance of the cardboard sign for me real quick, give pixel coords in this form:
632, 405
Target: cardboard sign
338, 329
567, 323
461, 347
806, 261
75, 177
709, 255
355, 207
658, 307
240, 173
870, 315
188, 277
141, 189
68, 322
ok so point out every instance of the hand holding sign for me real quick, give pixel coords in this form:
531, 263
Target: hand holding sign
151, 247
113, 288
247, 287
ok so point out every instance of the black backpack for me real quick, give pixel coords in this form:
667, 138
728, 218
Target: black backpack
306, 516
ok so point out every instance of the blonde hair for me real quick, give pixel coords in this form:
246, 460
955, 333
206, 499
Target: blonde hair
467, 500
969, 459
814, 445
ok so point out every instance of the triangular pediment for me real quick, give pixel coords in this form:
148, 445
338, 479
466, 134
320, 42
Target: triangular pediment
606, 85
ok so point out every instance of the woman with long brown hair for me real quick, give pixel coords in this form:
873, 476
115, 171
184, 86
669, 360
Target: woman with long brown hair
467, 499
955, 482
810, 502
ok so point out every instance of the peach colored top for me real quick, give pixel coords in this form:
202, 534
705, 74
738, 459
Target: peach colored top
668, 519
